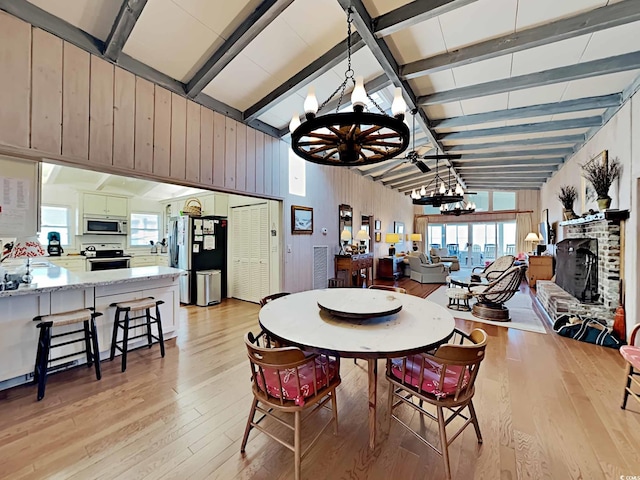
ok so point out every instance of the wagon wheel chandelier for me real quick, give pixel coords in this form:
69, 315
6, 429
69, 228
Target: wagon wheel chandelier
350, 138
460, 208
444, 195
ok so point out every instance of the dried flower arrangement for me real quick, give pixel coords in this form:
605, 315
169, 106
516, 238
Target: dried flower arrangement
601, 175
567, 196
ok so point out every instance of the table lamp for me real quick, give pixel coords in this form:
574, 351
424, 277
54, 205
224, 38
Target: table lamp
415, 237
345, 236
362, 236
27, 248
392, 238
532, 238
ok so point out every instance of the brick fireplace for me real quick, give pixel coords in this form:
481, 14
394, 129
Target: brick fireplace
605, 228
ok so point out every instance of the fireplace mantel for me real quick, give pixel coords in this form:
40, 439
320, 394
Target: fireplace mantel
613, 215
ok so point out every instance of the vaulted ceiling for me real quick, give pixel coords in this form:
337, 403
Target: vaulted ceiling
514, 86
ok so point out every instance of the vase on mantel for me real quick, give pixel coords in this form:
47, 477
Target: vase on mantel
604, 203
569, 214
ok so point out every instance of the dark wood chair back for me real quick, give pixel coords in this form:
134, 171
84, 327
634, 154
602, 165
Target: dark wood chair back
268, 298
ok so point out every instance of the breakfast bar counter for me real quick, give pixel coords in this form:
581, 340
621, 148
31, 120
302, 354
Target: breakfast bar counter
55, 290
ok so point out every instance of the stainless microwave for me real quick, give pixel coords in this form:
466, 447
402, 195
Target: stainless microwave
96, 225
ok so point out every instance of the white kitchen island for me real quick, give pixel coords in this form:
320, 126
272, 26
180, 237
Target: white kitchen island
56, 290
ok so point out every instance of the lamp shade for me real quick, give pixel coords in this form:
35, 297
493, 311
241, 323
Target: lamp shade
392, 238
345, 236
532, 237
362, 235
27, 248
415, 237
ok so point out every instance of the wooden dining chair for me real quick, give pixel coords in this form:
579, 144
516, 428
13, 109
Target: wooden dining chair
444, 379
388, 287
284, 380
269, 298
631, 354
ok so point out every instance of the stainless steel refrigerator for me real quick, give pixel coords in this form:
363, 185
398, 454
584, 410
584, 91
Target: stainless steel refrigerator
195, 244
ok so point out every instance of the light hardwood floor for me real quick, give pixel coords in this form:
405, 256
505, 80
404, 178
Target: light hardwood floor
549, 408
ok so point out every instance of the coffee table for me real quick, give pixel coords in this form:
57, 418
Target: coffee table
419, 326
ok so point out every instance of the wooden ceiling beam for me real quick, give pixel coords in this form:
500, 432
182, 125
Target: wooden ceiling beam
484, 169
512, 162
413, 13
122, 27
304, 77
568, 106
578, 71
515, 153
582, 24
526, 128
249, 29
515, 143
404, 174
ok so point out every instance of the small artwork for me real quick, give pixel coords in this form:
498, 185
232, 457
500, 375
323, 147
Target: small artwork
377, 225
378, 236
588, 194
301, 220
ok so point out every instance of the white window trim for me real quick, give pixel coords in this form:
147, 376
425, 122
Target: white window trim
70, 220
142, 212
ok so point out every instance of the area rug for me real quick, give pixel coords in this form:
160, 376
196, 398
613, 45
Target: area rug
523, 317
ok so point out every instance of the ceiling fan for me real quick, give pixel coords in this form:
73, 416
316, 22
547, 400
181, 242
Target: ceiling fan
415, 157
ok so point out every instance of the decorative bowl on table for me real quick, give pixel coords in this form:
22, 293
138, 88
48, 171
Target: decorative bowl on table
359, 303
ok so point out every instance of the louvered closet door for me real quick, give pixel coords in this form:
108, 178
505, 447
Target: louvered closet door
240, 256
250, 257
260, 251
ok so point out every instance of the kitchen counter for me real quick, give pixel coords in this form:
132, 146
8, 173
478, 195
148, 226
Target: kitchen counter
57, 289
58, 279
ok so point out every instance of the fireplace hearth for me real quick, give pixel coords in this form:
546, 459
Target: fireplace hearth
588, 264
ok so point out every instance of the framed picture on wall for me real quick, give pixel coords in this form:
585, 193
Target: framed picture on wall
377, 225
378, 236
301, 220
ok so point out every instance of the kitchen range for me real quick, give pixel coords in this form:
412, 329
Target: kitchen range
105, 256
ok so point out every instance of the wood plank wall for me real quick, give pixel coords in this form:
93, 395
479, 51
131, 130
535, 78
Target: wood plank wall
70, 105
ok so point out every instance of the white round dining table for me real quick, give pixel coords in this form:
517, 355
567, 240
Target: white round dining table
357, 331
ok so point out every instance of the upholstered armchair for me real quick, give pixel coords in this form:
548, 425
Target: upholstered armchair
427, 272
442, 255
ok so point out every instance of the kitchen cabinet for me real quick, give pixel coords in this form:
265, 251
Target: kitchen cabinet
149, 260
95, 204
73, 264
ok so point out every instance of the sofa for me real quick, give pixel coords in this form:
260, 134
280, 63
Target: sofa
425, 272
442, 255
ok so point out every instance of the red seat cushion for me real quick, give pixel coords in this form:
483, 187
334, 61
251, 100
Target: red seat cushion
431, 377
305, 373
631, 354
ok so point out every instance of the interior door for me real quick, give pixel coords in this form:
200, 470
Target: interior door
250, 252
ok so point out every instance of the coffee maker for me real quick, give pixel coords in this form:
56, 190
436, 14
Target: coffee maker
54, 249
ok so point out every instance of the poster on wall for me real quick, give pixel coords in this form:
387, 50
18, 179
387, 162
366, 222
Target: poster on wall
14, 205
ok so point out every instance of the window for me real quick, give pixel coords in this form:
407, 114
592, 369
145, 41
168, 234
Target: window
55, 219
504, 201
481, 199
145, 227
435, 236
